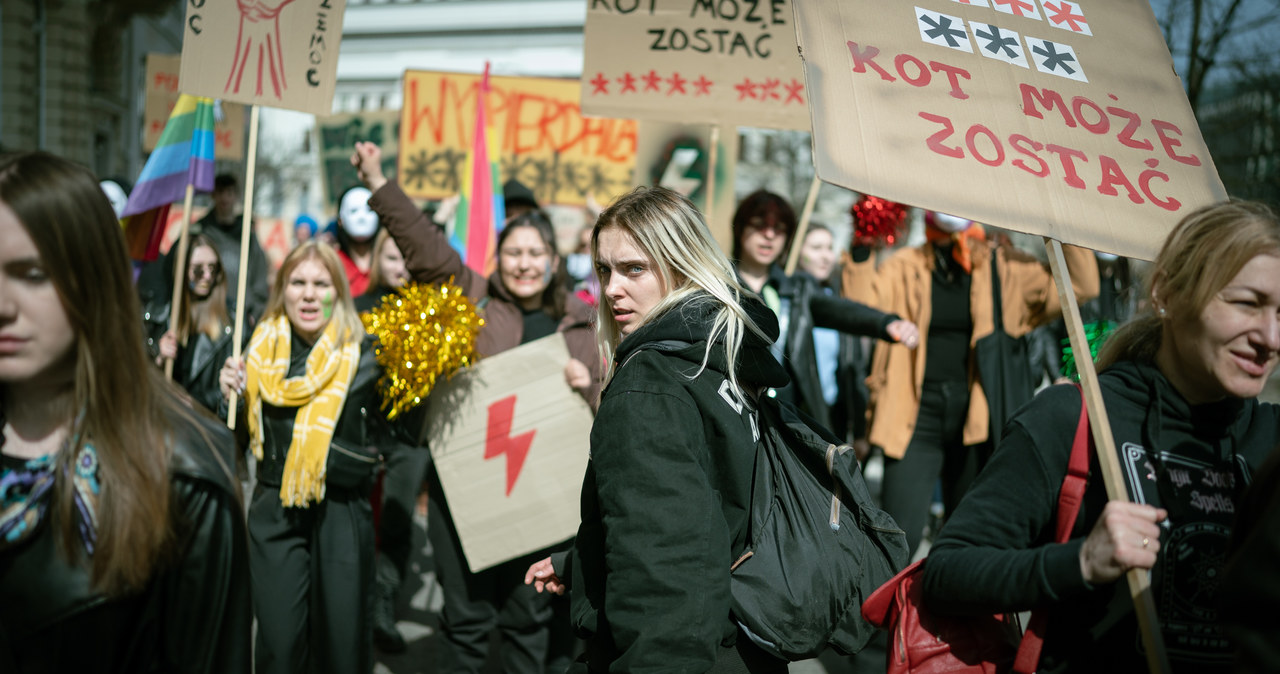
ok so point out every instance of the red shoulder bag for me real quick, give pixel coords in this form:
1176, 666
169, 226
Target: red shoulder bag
921, 642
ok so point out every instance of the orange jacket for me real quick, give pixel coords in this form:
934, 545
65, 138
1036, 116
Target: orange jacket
902, 285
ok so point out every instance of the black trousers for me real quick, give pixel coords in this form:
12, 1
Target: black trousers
312, 574
406, 467
936, 450
476, 604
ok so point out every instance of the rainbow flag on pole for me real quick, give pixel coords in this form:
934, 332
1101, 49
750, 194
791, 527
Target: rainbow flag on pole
480, 213
183, 156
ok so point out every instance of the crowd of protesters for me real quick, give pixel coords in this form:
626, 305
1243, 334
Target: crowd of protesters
125, 532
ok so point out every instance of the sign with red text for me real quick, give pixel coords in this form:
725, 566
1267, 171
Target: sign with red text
277, 53
510, 441
729, 62
543, 139
162, 94
1057, 118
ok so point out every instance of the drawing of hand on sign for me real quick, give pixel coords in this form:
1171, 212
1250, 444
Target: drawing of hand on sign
259, 36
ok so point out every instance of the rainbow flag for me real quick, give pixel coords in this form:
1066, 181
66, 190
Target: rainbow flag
183, 156
480, 213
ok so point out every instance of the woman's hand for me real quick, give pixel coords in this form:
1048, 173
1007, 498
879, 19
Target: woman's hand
577, 374
368, 162
904, 332
232, 377
542, 575
168, 348
1126, 536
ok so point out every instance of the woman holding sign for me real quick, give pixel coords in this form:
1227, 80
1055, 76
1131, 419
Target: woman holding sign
1180, 384
311, 407
523, 300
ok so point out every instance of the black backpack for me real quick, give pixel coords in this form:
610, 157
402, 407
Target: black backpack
817, 545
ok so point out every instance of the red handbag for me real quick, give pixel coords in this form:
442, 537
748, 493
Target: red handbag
922, 642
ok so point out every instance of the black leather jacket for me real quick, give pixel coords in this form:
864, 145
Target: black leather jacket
195, 615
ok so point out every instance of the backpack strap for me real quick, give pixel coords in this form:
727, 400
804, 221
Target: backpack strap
1069, 499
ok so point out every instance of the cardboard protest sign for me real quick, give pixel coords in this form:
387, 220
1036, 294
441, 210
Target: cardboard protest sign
729, 62
337, 135
277, 53
677, 156
510, 442
1057, 118
543, 140
162, 94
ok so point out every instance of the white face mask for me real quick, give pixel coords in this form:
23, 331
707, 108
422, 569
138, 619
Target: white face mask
358, 220
115, 194
950, 223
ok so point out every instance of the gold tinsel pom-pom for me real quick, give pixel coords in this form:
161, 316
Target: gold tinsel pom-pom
424, 332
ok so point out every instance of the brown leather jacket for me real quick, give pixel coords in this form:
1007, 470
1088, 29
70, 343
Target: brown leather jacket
430, 259
902, 286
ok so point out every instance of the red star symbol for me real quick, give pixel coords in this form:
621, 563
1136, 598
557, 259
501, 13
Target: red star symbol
746, 90
769, 89
702, 86
600, 85
793, 91
677, 84
1063, 12
628, 83
652, 81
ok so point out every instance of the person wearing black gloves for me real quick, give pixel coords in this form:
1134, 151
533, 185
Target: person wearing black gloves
1180, 384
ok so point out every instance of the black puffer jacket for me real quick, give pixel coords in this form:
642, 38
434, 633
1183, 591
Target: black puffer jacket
193, 618
666, 497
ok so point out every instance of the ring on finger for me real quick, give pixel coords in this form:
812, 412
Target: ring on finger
1145, 542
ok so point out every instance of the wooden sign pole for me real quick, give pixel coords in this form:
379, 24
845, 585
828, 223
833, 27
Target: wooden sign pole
180, 272
713, 161
803, 228
246, 229
1139, 579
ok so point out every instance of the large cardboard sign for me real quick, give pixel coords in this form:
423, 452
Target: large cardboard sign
162, 94
729, 62
337, 136
544, 142
510, 441
277, 53
1057, 118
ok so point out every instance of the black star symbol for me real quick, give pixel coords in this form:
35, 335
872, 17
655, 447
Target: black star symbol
942, 29
1053, 59
997, 41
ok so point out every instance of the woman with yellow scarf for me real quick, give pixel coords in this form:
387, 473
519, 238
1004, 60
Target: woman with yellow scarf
309, 390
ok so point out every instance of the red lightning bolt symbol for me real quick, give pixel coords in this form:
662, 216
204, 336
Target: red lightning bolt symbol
498, 440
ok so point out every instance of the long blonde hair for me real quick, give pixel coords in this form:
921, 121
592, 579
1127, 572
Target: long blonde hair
691, 266
1201, 256
208, 316
344, 311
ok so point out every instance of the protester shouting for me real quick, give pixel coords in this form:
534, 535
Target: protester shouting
524, 300
1179, 383
763, 227
310, 403
122, 543
928, 408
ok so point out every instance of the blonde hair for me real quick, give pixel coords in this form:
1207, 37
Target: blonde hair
1201, 256
689, 263
344, 312
208, 316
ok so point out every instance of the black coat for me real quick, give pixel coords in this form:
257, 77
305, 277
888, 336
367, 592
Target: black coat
666, 497
193, 618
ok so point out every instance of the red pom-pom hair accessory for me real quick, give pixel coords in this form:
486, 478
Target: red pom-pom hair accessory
876, 221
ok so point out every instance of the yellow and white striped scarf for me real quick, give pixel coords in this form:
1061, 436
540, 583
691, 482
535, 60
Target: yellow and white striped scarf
318, 394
